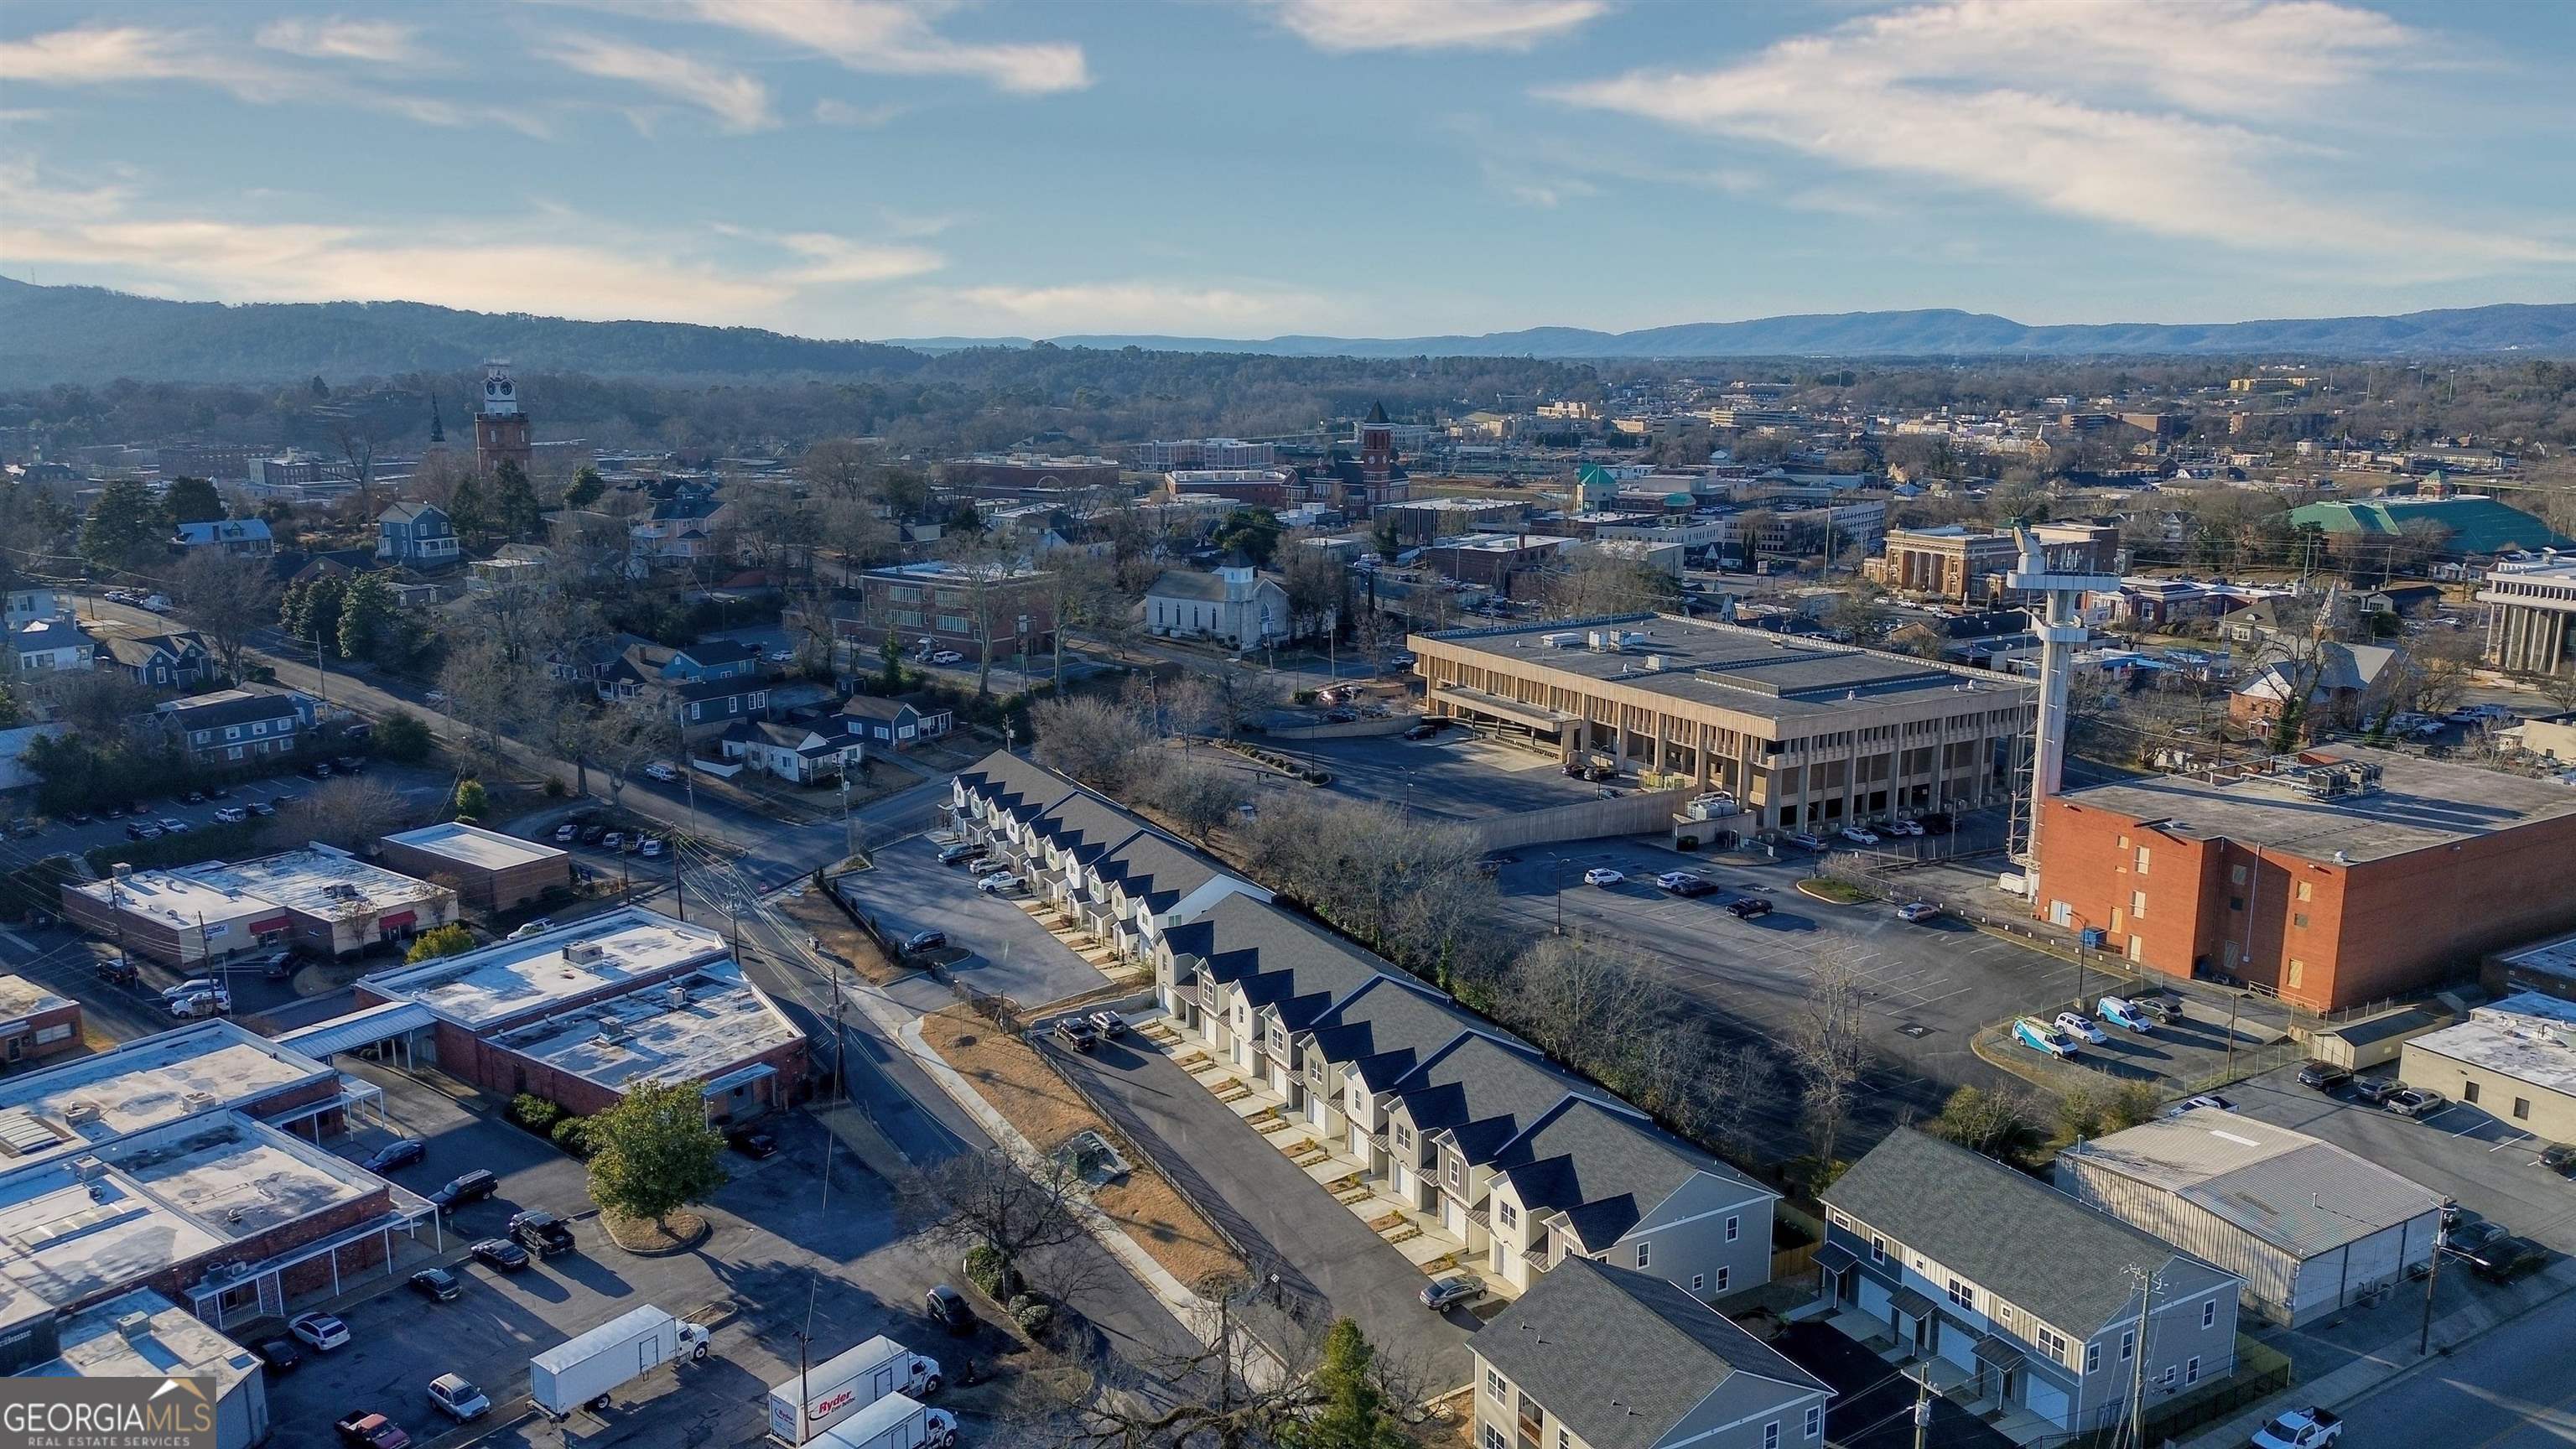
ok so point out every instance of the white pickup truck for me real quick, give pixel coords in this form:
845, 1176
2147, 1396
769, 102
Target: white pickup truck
2300, 1429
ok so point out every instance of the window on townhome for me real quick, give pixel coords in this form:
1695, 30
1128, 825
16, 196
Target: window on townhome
2209, 1313
1509, 1215
1771, 1435
1877, 1248
1495, 1388
2167, 1377
2191, 1370
2052, 1344
1645, 1254
2092, 1357
1493, 1438
1723, 1274
1815, 1421
2128, 1345
1698, 1281
1963, 1295
1403, 1136
232, 732
1453, 1170
1733, 1228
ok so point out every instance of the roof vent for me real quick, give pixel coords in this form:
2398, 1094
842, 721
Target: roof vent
88, 1167
132, 1326
197, 1100
677, 996
584, 951
80, 1111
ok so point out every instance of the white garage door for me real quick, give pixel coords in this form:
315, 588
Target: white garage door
2043, 1398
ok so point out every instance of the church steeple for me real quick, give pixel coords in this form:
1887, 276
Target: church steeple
437, 426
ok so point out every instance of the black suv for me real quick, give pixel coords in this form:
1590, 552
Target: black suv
472, 1187
1748, 907
541, 1232
1076, 1033
2325, 1077
2506, 1259
947, 1308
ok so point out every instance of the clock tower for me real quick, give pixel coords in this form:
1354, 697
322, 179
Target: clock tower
500, 429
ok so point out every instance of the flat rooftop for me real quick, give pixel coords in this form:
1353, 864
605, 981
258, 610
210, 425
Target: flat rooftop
1724, 666
21, 998
472, 845
2526, 1036
515, 978
2556, 957
177, 899
2421, 804
688, 1029
141, 1085
319, 883
170, 1343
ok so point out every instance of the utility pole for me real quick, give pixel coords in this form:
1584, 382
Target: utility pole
849, 834
2432, 1275
1922, 1405
2147, 1284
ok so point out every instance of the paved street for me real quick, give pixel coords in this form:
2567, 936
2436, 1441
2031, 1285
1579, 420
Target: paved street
1324, 1255
2507, 1390
1007, 952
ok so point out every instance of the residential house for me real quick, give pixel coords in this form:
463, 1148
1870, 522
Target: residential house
1234, 605
163, 661
26, 604
232, 725
714, 704
512, 566
897, 721
418, 535
805, 754
243, 537
44, 646
1609, 1358
707, 687
590, 661
680, 531
2037, 1299
928, 607
2340, 678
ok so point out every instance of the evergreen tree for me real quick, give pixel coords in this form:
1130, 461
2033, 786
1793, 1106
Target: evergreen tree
469, 510
515, 510
312, 610
653, 1152
367, 612
126, 528
586, 489
1354, 1413
890, 662
192, 500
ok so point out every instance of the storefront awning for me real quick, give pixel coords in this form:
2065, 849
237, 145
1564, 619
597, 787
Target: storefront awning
739, 1077
358, 1029
272, 924
399, 920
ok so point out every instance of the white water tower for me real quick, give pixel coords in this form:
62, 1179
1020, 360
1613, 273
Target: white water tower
2061, 633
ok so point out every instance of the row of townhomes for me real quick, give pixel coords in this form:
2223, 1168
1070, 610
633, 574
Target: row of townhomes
1493, 1152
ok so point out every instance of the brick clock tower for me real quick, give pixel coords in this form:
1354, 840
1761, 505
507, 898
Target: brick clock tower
500, 429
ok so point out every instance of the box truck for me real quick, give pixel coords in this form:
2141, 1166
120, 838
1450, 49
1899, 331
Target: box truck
896, 1421
828, 1392
584, 1371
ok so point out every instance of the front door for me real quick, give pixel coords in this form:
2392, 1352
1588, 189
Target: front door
1923, 1334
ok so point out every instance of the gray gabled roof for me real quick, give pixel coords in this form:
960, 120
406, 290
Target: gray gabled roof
1388, 1028
1017, 786
1484, 1093
1086, 826
1186, 584
1604, 1169
2012, 1234
1279, 961
1157, 870
1622, 1357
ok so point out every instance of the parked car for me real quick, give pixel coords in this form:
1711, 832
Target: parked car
948, 1308
2415, 1102
541, 1233
953, 854
2039, 1036
567, 833
264, 809
920, 941
1745, 908
192, 986
998, 882
318, 770
2375, 1091
2081, 1027
652, 846
537, 927
1858, 836
457, 1398
280, 1354
2325, 1077
1076, 1033
613, 840
436, 1284
2469, 1239
172, 825
1602, 875
2119, 1012
1108, 1023
349, 764
372, 1431
593, 834
2560, 1158
2300, 1429
2506, 1259
2163, 1006
2205, 1102
1439, 1293
1935, 822
501, 1254
1803, 840
201, 1003
660, 771
324, 1331
1917, 912
752, 1142
402, 1152
1903, 827
986, 863
193, 797
1420, 732
232, 815
472, 1187
947, 656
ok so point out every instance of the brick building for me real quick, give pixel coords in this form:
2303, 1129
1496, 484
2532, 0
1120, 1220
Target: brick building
1951, 563
488, 871
1013, 475
577, 1013
2332, 879
1507, 563
934, 606
323, 902
35, 1023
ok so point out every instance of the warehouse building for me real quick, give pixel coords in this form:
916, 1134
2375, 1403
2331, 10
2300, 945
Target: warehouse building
2311, 1228
488, 871
323, 902
2333, 878
2514, 1060
1807, 734
142, 1335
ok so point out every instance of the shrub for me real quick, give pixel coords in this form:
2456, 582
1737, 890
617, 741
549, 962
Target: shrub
535, 1113
554, 788
403, 736
1035, 1319
1687, 842
572, 1134
984, 1268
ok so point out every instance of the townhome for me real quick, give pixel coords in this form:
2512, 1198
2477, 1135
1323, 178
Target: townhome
163, 661
2024, 1296
1152, 883
1263, 979
1599, 1357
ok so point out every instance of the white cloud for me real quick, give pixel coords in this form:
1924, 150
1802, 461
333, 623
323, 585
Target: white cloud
883, 37
2168, 120
100, 235
1347, 25
736, 98
126, 55
378, 42
829, 112
1121, 307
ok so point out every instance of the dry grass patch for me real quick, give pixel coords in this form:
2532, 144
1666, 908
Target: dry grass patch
826, 923
1009, 1075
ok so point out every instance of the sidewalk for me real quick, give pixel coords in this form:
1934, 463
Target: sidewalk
2368, 1375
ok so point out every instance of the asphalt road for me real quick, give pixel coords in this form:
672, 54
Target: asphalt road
2507, 1390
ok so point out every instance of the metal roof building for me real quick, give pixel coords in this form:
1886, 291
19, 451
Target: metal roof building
2310, 1227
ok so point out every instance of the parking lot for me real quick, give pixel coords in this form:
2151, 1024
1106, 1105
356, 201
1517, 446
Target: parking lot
420, 790
1004, 951
1454, 775
774, 1244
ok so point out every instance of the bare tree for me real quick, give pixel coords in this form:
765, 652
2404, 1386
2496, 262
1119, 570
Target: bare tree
346, 812
1019, 1210
1093, 740
1827, 1049
486, 692
1241, 1391
1195, 795
226, 596
1596, 583
628, 735
99, 703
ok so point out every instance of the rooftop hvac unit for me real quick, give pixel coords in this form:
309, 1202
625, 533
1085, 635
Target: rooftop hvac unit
1558, 641
131, 1326
1633, 637
197, 1101
584, 951
1654, 664
677, 997
80, 1111
87, 1167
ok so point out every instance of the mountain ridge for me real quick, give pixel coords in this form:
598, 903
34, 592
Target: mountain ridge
90, 334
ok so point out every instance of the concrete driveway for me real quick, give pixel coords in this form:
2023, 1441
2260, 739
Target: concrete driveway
1324, 1255
1009, 953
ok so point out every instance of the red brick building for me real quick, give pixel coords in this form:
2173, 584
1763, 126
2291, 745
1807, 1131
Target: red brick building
940, 606
35, 1023
2333, 879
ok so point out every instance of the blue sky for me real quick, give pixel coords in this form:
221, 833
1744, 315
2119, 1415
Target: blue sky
876, 168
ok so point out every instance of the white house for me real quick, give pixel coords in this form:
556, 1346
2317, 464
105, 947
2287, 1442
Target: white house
49, 645
807, 754
1235, 605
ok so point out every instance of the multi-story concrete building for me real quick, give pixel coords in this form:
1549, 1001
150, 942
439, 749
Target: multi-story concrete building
2531, 615
1804, 733
2035, 1297
2332, 879
578, 1013
2310, 1228
1163, 457
1952, 563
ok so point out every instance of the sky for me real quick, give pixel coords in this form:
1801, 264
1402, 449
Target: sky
1247, 168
